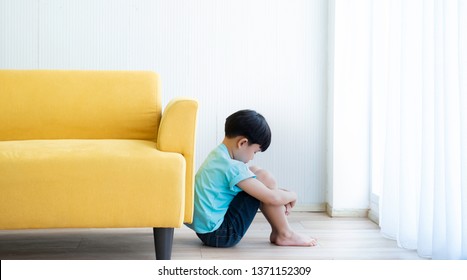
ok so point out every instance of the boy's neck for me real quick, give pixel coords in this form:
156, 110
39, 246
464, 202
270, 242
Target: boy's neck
231, 144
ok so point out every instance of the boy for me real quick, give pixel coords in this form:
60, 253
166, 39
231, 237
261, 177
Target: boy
228, 193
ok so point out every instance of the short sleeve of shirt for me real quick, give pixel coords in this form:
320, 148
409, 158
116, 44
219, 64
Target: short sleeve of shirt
238, 173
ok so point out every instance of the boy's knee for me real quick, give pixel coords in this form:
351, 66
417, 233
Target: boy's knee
264, 176
254, 169
260, 173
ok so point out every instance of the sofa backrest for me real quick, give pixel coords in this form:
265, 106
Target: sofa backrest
58, 104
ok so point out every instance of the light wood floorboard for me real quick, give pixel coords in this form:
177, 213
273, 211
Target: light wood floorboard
338, 238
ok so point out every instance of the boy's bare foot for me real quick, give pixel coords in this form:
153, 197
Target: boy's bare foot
292, 239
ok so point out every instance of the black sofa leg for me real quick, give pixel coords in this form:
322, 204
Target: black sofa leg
163, 240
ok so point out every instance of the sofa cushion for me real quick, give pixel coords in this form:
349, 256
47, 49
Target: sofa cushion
40, 104
89, 183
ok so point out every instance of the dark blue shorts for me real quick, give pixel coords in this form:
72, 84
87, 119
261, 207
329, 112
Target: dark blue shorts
237, 220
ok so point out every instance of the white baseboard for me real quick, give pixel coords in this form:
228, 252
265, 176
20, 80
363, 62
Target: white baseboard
346, 212
318, 207
373, 216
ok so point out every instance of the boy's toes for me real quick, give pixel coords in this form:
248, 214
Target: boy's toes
314, 242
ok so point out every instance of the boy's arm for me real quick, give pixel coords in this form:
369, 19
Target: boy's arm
266, 195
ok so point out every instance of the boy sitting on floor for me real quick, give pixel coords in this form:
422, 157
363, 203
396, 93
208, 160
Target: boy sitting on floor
228, 193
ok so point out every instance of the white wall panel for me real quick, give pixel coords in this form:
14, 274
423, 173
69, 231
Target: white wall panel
268, 55
84, 34
18, 34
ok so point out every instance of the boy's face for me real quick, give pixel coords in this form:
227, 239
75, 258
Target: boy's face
246, 152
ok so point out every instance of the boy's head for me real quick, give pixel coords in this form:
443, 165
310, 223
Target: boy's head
251, 125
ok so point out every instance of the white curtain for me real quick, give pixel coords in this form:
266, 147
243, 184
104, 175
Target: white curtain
419, 110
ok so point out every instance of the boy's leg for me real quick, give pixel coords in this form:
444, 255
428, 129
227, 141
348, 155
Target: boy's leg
237, 220
281, 232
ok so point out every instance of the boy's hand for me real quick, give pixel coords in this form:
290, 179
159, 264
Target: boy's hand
288, 207
258, 190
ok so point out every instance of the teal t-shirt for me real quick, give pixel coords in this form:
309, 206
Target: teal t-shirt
215, 187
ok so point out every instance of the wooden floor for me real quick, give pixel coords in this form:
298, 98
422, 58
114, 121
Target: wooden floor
338, 238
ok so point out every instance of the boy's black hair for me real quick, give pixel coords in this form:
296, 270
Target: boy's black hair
251, 125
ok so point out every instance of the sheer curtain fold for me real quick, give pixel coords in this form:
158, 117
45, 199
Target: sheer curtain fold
462, 16
424, 191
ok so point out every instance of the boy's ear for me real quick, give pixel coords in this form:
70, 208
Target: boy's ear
242, 141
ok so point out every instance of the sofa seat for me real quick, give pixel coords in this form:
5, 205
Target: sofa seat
90, 183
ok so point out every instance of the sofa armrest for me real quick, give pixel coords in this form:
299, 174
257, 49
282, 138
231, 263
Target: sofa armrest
177, 133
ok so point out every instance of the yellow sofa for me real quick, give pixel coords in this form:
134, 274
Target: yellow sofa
92, 149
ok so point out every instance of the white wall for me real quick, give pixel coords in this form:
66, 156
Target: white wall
269, 55
348, 108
